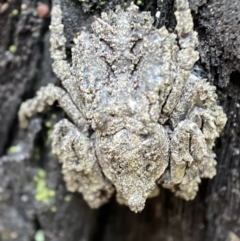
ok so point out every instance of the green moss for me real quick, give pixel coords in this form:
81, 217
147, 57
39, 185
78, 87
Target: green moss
5, 235
15, 12
49, 132
12, 48
43, 193
39, 235
14, 149
35, 34
49, 140
41, 173
67, 198
48, 124
53, 209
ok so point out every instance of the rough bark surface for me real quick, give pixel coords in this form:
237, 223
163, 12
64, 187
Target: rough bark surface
34, 202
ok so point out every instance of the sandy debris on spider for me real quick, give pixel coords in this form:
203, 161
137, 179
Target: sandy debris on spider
152, 121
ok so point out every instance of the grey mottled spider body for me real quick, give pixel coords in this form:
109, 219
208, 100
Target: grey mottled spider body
153, 121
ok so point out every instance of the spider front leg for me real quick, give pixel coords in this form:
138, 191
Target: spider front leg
79, 164
186, 56
187, 37
60, 66
58, 53
47, 96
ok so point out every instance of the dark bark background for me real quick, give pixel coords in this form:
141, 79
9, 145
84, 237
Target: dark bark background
34, 204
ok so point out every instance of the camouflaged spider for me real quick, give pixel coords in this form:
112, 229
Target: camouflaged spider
152, 120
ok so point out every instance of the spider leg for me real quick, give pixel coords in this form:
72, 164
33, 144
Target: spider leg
47, 96
186, 57
187, 37
80, 167
58, 53
60, 65
188, 150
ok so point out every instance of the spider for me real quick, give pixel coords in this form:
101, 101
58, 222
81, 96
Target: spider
139, 116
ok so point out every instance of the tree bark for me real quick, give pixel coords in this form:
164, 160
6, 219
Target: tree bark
27, 161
